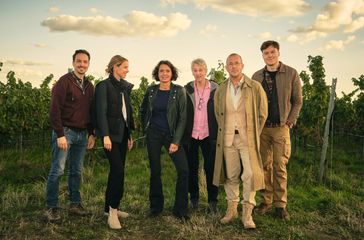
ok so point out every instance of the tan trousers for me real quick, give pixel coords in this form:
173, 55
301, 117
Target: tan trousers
275, 149
237, 156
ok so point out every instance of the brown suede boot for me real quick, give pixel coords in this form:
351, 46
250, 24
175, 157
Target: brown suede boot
113, 219
231, 212
263, 208
246, 216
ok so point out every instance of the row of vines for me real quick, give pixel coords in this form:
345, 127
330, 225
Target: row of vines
24, 108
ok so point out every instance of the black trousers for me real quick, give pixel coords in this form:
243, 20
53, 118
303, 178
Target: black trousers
115, 182
155, 140
208, 153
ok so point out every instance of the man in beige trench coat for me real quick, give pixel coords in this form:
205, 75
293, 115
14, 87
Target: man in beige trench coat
241, 111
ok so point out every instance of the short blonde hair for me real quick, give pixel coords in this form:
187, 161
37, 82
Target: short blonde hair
115, 60
200, 62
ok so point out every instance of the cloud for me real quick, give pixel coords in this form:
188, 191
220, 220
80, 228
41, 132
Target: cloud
23, 62
271, 8
209, 30
40, 45
24, 73
339, 44
96, 11
165, 3
136, 23
342, 15
354, 25
54, 9
264, 36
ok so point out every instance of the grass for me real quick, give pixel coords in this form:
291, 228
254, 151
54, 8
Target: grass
333, 210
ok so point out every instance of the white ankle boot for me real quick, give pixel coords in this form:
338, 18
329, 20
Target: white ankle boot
113, 219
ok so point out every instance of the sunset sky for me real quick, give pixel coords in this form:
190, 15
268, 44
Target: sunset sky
39, 37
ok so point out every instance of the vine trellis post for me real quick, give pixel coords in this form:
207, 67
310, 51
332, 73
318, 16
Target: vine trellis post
327, 129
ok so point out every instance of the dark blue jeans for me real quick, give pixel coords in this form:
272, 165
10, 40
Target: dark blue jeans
208, 153
155, 141
75, 153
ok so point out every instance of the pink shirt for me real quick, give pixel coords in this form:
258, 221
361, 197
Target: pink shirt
200, 122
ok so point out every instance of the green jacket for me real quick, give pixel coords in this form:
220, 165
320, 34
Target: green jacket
176, 110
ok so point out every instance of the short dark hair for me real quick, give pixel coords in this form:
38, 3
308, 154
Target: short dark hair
269, 43
170, 65
78, 51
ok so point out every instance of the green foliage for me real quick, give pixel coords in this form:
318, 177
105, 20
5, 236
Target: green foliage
315, 100
24, 108
218, 74
358, 104
136, 100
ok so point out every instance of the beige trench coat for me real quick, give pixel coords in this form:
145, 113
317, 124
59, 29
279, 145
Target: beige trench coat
256, 113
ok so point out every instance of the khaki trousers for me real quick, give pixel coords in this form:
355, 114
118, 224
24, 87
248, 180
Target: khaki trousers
275, 149
237, 156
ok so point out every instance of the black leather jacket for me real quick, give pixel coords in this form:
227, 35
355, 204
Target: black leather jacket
176, 110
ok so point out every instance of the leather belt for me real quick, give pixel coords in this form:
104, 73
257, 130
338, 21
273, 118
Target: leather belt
272, 125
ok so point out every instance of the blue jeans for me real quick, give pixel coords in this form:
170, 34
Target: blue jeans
75, 153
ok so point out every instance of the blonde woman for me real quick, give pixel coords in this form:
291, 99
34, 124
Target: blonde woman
114, 124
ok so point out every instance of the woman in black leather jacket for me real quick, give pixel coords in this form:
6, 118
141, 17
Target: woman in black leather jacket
163, 116
114, 125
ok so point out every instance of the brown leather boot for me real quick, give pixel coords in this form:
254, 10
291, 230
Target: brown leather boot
246, 216
282, 213
263, 208
231, 212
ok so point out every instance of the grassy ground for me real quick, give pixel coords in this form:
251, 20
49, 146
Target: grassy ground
334, 210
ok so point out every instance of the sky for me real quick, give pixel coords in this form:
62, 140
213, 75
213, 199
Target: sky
39, 37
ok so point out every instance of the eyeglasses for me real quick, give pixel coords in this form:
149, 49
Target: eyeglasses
200, 102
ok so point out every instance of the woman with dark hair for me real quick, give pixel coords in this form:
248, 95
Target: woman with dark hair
114, 124
163, 115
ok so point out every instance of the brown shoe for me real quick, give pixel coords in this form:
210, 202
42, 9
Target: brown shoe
263, 208
282, 213
52, 215
77, 209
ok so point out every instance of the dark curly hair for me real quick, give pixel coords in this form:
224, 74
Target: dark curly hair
170, 65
